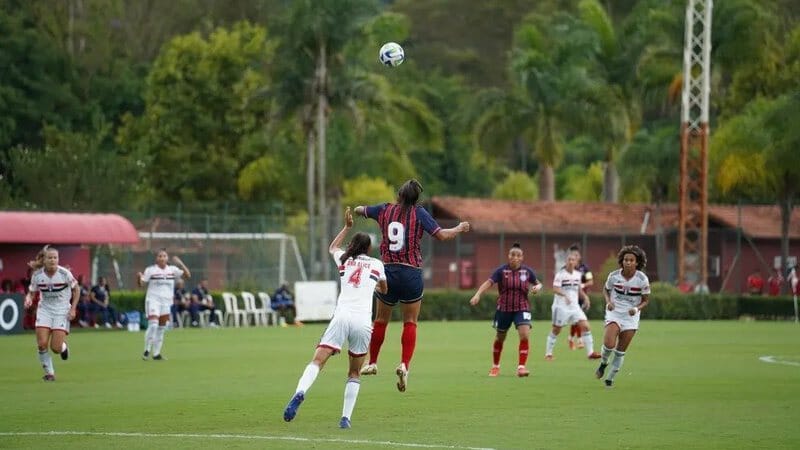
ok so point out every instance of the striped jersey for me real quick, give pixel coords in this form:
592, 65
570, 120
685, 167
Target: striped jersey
359, 276
570, 284
55, 290
402, 231
513, 286
626, 293
161, 282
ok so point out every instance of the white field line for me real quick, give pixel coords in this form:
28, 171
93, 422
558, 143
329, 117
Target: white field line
775, 360
236, 436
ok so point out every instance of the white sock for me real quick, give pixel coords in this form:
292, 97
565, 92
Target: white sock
150, 335
588, 342
158, 341
606, 353
63, 346
551, 344
619, 357
47, 362
350, 396
308, 377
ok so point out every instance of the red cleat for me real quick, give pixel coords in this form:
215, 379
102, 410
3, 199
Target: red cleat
594, 355
522, 371
495, 371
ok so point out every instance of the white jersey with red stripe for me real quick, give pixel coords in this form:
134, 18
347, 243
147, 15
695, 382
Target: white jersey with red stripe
161, 282
626, 293
570, 284
359, 277
56, 291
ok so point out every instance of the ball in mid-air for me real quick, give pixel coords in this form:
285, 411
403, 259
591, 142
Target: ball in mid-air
391, 54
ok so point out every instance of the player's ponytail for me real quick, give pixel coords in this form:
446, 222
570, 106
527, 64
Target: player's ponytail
359, 245
408, 194
38, 262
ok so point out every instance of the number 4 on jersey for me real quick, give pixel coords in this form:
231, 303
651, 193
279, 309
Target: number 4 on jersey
355, 277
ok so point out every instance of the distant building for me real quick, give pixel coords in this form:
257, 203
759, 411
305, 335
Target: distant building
23, 234
601, 229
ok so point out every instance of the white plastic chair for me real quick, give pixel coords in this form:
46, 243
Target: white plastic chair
232, 312
266, 305
259, 314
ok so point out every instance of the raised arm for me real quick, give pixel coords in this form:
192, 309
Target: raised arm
445, 234
186, 273
336, 244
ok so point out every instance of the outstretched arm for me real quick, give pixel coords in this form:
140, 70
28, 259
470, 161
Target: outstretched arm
336, 244
445, 234
477, 297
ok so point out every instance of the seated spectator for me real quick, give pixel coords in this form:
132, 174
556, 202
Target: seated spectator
283, 301
180, 302
7, 287
755, 283
85, 316
202, 301
774, 283
100, 297
29, 317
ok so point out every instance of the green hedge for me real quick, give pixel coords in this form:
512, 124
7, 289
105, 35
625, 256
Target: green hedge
454, 305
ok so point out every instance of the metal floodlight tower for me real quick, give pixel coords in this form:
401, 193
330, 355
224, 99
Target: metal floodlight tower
693, 189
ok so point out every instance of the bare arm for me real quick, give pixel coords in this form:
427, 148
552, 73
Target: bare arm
481, 289
76, 295
445, 234
609, 303
336, 244
139, 281
360, 211
186, 273
642, 305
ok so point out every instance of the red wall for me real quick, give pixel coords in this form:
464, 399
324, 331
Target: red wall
15, 259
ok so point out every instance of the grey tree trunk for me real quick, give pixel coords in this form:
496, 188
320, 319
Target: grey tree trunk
322, 108
310, 200
547, 183
610, 182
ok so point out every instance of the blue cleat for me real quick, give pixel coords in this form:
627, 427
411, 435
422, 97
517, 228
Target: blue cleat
344, 423
294, 404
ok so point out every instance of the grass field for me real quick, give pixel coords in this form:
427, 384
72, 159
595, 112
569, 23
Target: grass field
683, 385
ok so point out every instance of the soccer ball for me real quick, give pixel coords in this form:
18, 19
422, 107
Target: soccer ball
391, 54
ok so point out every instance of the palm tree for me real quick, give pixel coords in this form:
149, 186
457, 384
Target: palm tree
755, 153
550, 82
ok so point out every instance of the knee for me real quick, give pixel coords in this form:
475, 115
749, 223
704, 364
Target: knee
55, 348
41, 346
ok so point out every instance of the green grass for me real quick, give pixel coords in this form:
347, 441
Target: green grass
683, 385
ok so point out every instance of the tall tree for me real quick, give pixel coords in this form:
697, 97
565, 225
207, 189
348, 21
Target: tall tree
756, 153
202, 106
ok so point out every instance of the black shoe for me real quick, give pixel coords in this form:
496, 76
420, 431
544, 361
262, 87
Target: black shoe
146, 355
609, 383
600, 370
159, 358
65, 353
49, 377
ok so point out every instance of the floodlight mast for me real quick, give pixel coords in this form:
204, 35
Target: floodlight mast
693, 188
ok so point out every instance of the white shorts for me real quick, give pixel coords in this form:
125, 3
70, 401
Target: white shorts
157, 307
355, 330
567, 315
53, 318
623, 319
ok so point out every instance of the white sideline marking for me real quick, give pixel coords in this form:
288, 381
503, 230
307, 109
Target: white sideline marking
775, 360
234, 436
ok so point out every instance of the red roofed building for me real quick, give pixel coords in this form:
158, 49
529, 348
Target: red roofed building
22, 235
601, 229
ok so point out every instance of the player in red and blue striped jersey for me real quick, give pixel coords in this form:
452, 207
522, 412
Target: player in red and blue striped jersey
514, 282
402, 225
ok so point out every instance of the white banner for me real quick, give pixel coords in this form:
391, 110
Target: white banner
315, 300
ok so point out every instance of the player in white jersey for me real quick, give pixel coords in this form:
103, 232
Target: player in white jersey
160, 279
566, 309
360, 277
627, 292
58, 299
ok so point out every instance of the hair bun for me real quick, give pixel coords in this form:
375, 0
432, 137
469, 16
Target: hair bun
516, 245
